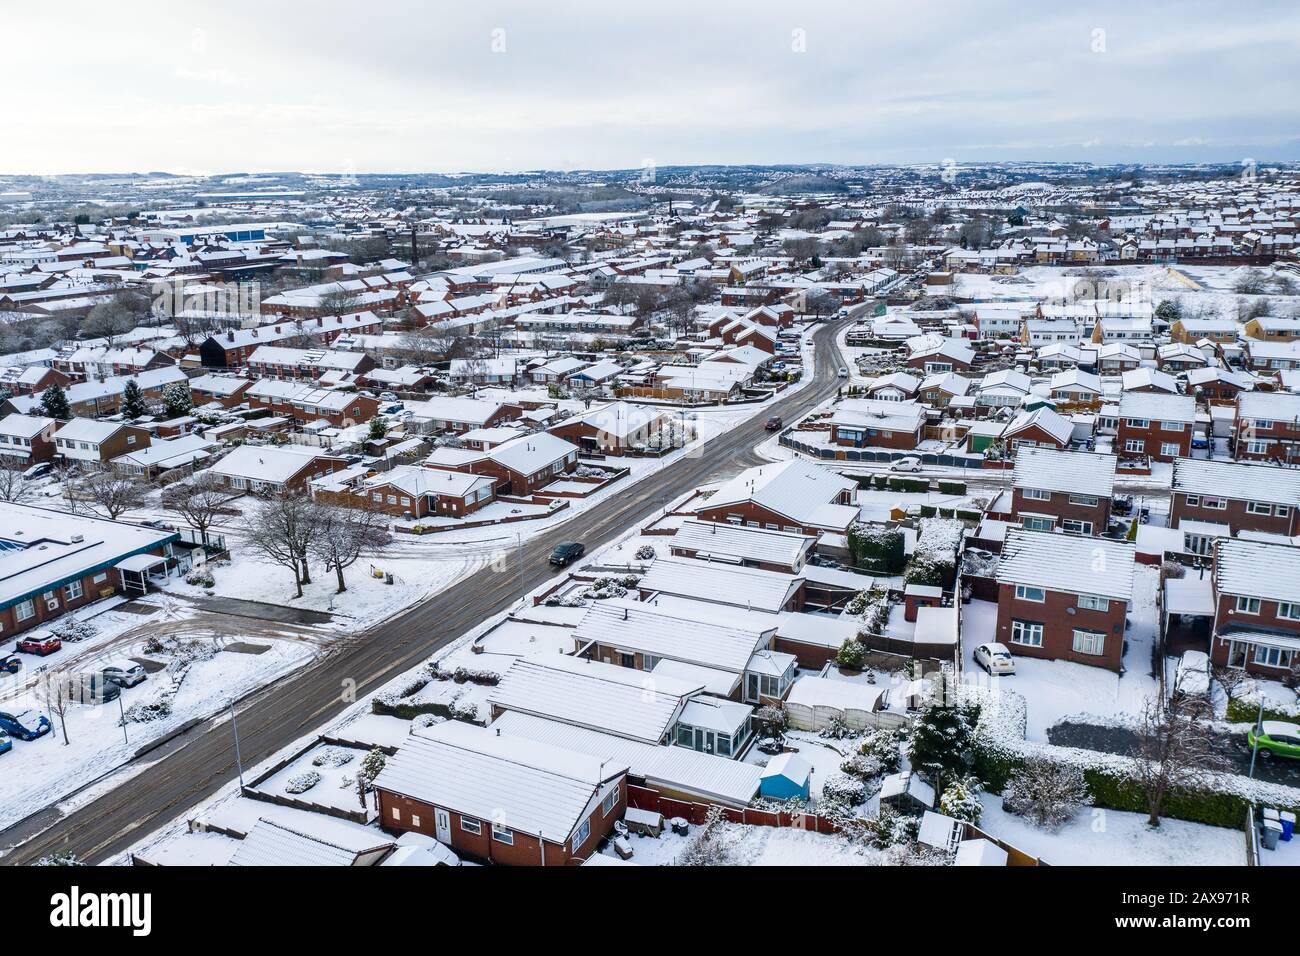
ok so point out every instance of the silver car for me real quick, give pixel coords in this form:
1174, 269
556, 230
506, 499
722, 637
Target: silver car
995, 658
125, 674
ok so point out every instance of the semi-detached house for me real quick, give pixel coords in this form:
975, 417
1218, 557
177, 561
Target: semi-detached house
1064, 597
1062, 490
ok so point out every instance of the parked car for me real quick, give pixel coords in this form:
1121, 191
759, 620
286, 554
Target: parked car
24, 724
567, 553
41, 644
844, 372
6, 744
388, 396
125, 674
38, 471
1200, 441
773, 423
907, 463
11, 664
1122, 506
1275, 738
995, 658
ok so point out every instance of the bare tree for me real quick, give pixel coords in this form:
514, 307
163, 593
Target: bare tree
13, 486
116, 316
348, 534
431, 343
199, 501
114, 491
1175, 751
283, 530
55, 695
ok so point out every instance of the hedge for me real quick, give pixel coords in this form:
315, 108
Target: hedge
909, 484
1113, 792
1242, 711
952, 487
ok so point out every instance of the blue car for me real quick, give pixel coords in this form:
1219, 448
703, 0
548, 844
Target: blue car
5, 743
25, 725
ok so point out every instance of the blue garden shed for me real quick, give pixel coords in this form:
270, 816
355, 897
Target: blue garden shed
785, 777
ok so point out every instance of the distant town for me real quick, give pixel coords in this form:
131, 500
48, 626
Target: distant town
940, 515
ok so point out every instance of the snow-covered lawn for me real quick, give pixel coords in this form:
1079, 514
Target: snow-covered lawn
1097, 837
757, 846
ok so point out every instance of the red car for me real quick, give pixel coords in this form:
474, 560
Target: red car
40, 644
773, 423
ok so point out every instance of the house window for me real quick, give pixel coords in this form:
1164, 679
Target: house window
1085, 500
648, 662
99, 578
1134, 446
1169, 448
503, 834
73, 590
607, 804
1258, 508
470, 825
1172, 426
1037, 523
1272, 656
1288, 611
1218, 504
415, 821
1193, 501
1026, 593
1089, 642
1138, 422
580, 837
1247, 605
1075, 526
1027, 633
397, 813
25, 610
1037, 494
1093, 602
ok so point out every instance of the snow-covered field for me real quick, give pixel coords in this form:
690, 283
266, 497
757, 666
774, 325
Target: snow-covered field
757, 846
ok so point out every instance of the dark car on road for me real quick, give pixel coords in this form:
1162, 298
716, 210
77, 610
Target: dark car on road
773, 423
567, 553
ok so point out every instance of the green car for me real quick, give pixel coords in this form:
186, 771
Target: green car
1277, 738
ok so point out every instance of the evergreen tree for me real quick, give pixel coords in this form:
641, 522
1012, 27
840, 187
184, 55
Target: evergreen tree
133, 405
54, 403
378, 429
176, 399
943, 737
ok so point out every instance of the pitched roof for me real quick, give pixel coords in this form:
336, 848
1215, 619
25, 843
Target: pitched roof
643, 627
795, 488
1070, 563
722, 583
714, 538
1257, 569
1238, 480
1077, 472
524, 785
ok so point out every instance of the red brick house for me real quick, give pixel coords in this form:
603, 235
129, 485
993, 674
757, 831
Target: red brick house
794, 495
877, 423
1064, 597
1256, 606
1062, 490
526, 464
1267, 427
1241, 496
500, 799
1044, 427
27, 440
1156, 425
409, 491
307, 403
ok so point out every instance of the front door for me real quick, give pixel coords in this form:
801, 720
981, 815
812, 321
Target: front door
442, 823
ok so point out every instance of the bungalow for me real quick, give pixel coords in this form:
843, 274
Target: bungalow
940, 389
1240, 496
894, 387
1217, 386
934, 354
164, 455
612, 429
1256, 590
273, 468
794, 495
869, 423
459, 415
224, 390
1075, 387
500, 799
1063, 597
723, 583
412, 492
1069, 491
557, 370
52, 562
743, 546
524, 465
1147, 379
1044, 427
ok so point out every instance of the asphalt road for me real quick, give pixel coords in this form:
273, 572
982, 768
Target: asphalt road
180, 774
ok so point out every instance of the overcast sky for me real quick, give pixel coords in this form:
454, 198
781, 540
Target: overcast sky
411, 85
